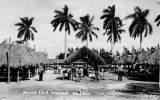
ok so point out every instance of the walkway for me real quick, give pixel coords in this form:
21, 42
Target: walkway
52, 88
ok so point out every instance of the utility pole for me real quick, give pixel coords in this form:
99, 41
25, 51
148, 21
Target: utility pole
34, 48
8, 65
8, 61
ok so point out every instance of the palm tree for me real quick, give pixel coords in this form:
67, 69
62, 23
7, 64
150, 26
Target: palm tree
71, 50
126, 51
112, 25
158, 20
86, 29
106, 55
140, 24
25, 29
117, 53
116, 35
64, 19
95, 50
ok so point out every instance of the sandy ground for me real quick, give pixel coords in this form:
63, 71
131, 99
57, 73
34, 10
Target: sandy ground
52, 88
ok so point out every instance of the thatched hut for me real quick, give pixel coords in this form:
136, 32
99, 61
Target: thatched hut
21, 58
86, 55
153, 62
142, 57
153, 58
115, 60
18, 55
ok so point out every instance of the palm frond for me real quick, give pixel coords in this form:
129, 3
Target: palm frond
20, 33
22, 20
79, 34
145, 13
34, 29
19, 24
61, 26
109, 38
149, 28
55, 25
130, 16
137, 9
74, 24
90, 37
31, 35
70, 16
58, 12
117, 53
94, 34
131, 27
91, 20
158, 18
103, 16
126, 51
65, 9
30, 22
119, 38
158, 23
67, 28
95, 28
84, 37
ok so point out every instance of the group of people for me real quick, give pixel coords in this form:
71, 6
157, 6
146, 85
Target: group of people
76, 72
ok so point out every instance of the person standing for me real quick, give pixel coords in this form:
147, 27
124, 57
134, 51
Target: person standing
41, 71
79, 72
120, 69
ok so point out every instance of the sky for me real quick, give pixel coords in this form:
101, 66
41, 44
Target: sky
53, 42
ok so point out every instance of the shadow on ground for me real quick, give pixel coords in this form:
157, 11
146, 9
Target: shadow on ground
141, 79
141, 88
36, 79
25, 79
3, 79
12, 79
61, 78
113, 79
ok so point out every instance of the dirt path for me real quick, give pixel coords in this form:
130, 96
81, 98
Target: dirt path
52, 88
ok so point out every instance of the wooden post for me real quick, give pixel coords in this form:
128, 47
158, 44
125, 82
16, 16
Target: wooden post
8, 65
71, 73
63, 72
35, 71
29, 72
103, 72
18, 75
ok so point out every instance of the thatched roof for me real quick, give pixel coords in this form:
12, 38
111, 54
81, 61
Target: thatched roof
86, 55
20, 55
129, 59
42, 57
56, 61
142, 57
154, 57
122, 60
115, 59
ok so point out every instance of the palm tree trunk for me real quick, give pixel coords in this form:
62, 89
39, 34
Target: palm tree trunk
87, 41
140, 41
112, 44
65, 46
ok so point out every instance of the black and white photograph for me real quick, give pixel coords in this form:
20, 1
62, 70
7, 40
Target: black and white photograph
79, 49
